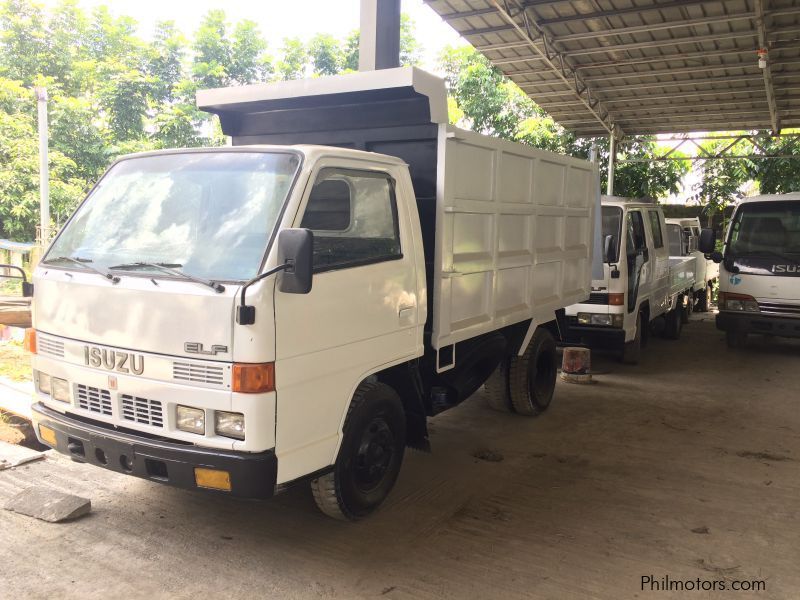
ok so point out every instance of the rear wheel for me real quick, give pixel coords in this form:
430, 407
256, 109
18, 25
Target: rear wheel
532, 376
674, 320
704, 301
735, 339
632, 351
369, 458
496, 388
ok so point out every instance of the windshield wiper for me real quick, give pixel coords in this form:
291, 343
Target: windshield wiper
794, 261
173, 269
84, 262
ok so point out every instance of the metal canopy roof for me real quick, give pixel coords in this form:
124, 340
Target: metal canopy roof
643, 66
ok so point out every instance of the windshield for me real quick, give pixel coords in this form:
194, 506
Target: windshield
765, 236
209, 213
612, 218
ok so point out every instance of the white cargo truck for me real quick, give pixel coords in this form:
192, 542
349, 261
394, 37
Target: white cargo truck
707, 270
293, 308
759, 281
641, 288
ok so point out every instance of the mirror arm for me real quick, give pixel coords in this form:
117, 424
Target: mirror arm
246, 315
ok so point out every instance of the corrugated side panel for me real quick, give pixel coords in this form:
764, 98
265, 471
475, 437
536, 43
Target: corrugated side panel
514, 234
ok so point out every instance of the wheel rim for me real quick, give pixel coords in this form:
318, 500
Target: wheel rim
375, 453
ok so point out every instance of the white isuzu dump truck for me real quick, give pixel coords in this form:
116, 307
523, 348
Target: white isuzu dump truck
642, 286
759, 282
293, 308
707, 270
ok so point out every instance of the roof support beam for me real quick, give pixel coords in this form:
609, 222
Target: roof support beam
770, 89
621, 11
556, 60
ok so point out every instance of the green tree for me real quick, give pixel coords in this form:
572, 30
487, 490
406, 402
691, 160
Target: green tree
326, 54
212, 51
23, 48
68, 42
410, 47
294, 59
778, 175
249, 63
165, 65
350, 51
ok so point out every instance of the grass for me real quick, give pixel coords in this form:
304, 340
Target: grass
15, 362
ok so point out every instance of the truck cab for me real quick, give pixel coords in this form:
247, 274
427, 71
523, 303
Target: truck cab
759, 290
637, 284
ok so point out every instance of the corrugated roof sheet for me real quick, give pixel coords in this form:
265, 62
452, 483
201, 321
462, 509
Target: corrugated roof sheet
643, 66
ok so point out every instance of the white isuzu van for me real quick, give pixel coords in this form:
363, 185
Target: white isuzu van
239, 319
759, 283
642, 286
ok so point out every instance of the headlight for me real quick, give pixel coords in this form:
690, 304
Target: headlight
44, 383
738, 302
60, 389
229, 424
192, 420
601, 319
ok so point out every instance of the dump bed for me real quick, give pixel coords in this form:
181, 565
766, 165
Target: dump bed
508, 230
514, 234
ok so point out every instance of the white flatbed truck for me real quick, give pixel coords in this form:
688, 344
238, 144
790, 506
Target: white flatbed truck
240, 319
642, 288
707, 270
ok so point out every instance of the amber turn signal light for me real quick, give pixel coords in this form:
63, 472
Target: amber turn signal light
253, 378
616, 299
212, 479
29, 343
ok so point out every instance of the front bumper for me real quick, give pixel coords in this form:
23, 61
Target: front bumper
758, 323
252, 475
593, 335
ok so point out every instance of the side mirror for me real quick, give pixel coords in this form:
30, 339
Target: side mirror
609, 246
716, 256
708, 241
296, 248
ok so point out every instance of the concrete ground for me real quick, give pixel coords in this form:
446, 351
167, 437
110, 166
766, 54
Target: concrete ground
685, 466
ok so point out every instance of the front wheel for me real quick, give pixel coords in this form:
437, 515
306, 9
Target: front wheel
735, 339
369, 458
632, 351
674, 320
705, 300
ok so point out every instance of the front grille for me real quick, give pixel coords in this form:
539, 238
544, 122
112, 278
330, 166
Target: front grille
783, 310
53, 348
142, 410
94, 399
597, 298
198, 373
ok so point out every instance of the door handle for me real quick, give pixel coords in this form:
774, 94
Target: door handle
405, 310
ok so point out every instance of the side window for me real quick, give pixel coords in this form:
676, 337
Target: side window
635, 237
655, 228
353, 215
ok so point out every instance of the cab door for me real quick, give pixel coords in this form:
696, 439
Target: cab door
362, 312
660, 284
637, 257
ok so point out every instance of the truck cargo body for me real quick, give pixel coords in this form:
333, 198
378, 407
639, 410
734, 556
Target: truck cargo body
437, 255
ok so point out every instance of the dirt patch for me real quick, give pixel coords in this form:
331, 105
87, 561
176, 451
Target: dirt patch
16, 430
763, 456
487, 455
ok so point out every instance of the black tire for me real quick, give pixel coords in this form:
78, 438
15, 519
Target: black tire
735, 339
497, 394
688, 308
532, 376
369, 458
674, 319
632, 351
704, 302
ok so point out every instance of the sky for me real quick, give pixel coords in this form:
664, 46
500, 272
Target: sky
278, 19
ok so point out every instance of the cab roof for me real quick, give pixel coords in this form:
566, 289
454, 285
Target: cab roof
771, 198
